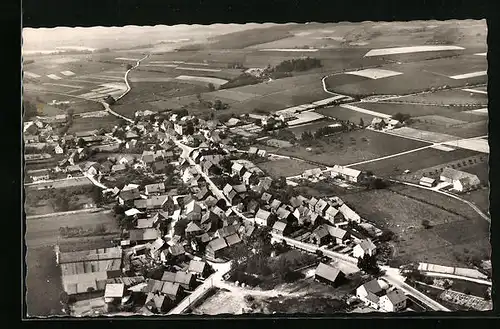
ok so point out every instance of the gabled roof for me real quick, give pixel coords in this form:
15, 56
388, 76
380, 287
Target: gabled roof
170, 288
279, 226
114, 290
282, 213
331, 212
197, 266
156, 201
275, 204
348, 212
193, 228
210, 201
295, 202
209, 216
321, 231
336, 232
373, 286
145, 222
396, 296
346, 171
232, 239
454, 174
266, 197
367, 245
227, 189
140, 203
177, 249
240, 188
168, 276
226, 231
155, 188
217, 244
144, 234
321, 205
327, 272
118, 167
312, 202
193, 206
129, 195
132, 212
183, 277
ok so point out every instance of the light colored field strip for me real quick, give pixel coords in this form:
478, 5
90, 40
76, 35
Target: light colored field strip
127, 59
469, 75
112, 77
54, 77
480, 54
105, 78
478, 111
191, 63
202, 79
101, 88
67, 73
196, 69
428, 136
409, 50
107, 90
151, 79
476, 91
442, 148
120, 86
328, 100
478, 145
290, 49
358, 109
160, 65
63, 85
167, 62
374, 73
85, 81
31, 75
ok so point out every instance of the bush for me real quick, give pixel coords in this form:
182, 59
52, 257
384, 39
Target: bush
426, 224
298, 65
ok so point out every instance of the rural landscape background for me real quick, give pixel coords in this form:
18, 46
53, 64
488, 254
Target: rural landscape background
215, 73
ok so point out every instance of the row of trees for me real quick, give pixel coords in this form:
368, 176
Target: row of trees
298, 65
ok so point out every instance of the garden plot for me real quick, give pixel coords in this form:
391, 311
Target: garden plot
234, 94
412, 49
207, 80
374, 73
445, 97
285, 167
478, 145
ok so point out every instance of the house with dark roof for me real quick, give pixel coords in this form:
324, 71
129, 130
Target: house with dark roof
321, 207
140, 204
215, 248
202, 194
159, 202
172, 290
370, 293
143, 235
266, 197
192, 230
225, 231
320, 236
210, 201
339, 235
281, 228
329, 275
128, 197
232, 239
252, 206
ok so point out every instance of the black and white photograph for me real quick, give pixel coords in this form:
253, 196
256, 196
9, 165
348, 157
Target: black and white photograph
259, 168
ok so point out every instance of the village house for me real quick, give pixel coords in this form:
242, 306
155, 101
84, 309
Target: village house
281, 228
427, 182
329, 275
131, 144
349, 214
370, 293
321, 207
128, 197
147, 158
339, 235
143, 235
247, 177
199, 268
237, 169
215, 248
320, 236
126, 160
462, 181
39, 175
192, 230
393, 301
275, 204
153, 189
364, 247
58, 149
118, 168
232, 239
312, 203
114, 293
331, 214
348, 174
266, 197
202, 194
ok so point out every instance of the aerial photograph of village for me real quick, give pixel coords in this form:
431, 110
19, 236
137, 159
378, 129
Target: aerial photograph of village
312, 168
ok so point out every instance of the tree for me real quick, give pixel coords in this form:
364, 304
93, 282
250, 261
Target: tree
361, 123
128, 66
81, 142
368, 264
401, 117
211, 87
218, 105
426, 224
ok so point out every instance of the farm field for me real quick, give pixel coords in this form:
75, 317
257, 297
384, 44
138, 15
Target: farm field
443, 243
442, 97
43, 282
466, 130
341, 113
45, 231
311, 127
351, 147
285, 167
414, 161
418, 110
60, 184
481, 170
84, 124
480, 198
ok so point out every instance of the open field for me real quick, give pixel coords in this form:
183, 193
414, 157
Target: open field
418, 110
443, 243
285, 167
351, 147
43, 282
311, 127
84, 124
443, 97
341, 113
45, 231
466, 130
414, 161
60, 184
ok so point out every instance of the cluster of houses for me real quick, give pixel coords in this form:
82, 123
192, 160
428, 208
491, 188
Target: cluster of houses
377, 295
385, 124
460, 181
